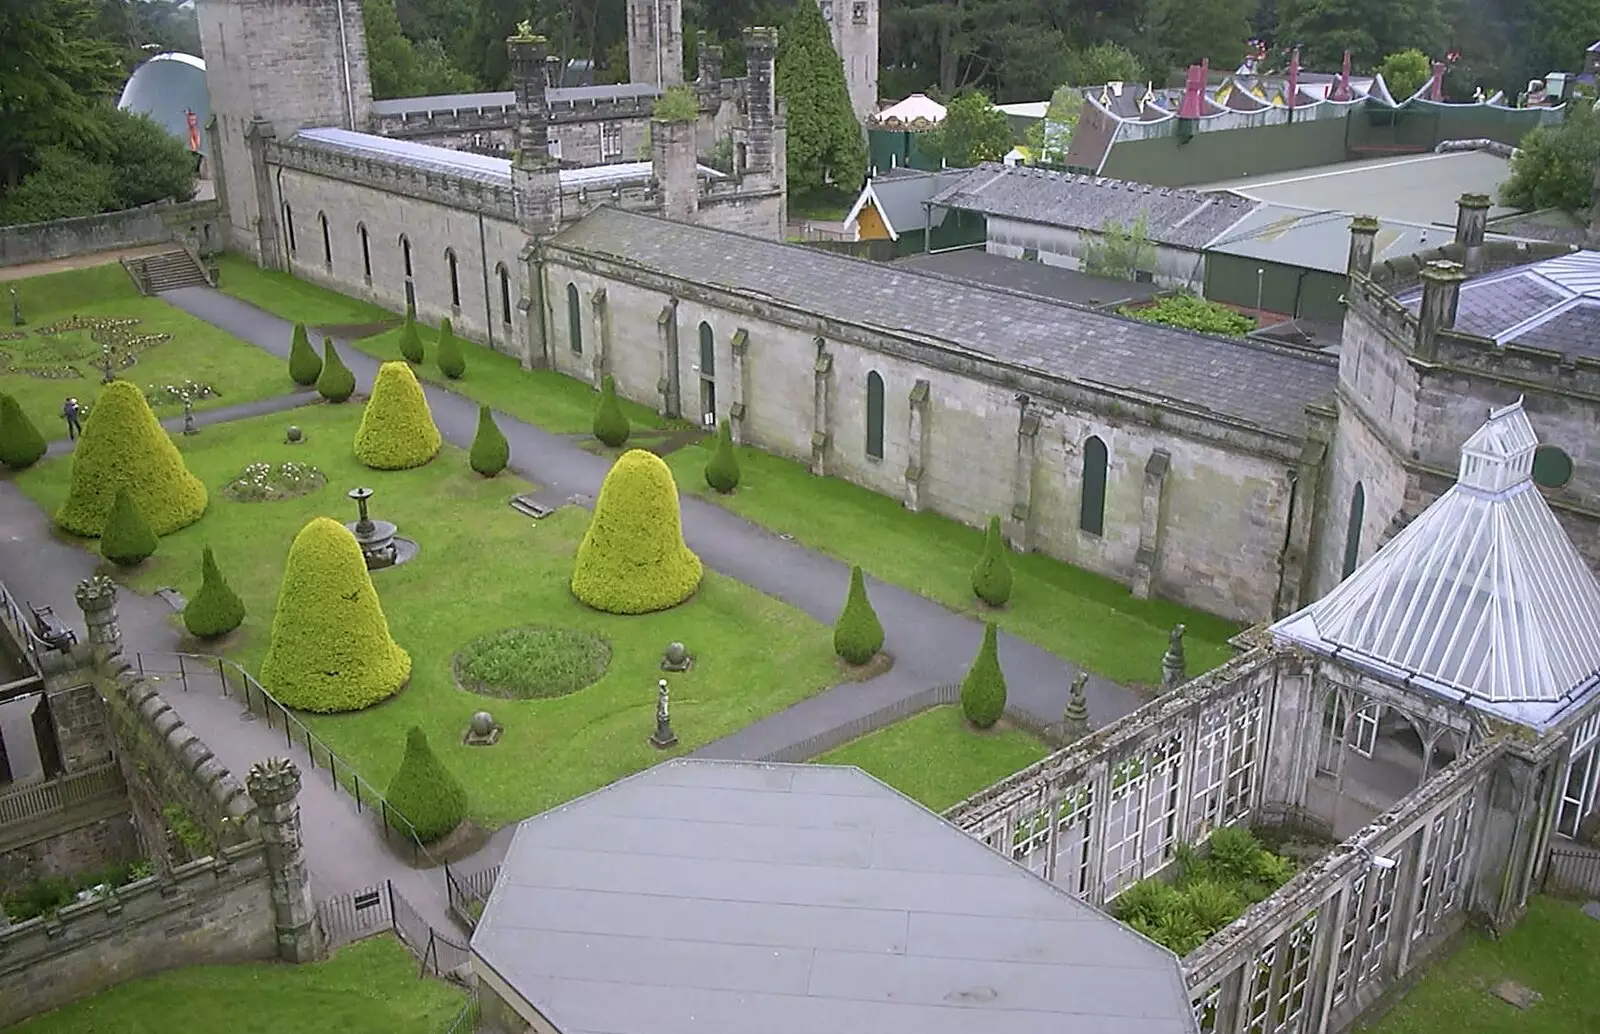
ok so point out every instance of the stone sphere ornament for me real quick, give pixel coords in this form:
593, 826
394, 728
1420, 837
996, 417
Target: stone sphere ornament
482, 722
294, 436
482, 731
676, 658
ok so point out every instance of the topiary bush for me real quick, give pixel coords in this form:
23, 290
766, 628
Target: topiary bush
335, 383
411, 339
21, 444
983, 691
490, 450
722, 470
397, 431
305, 366
425, 792
122, 445
127, 538
452, 363
991, 578
330, 649
610, 422
858, 634
216, 609
633, 559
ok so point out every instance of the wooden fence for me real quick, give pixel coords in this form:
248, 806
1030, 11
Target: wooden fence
58, 795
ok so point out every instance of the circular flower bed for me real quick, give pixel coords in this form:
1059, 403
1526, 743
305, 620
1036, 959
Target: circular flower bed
269, 482
532, 662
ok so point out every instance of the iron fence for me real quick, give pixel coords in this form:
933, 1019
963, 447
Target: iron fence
839, 735
20, 619
1574, 870
466, 1020
346, 918
469, 894
350, 917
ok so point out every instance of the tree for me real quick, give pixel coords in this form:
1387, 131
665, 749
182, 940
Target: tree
490, 450
127, 538
216, 609
397, 431
722, 470
1556, 33
452, 363
305, 366
633, 559
131, 161
857, 634
21, 444
610, 422
983, 691
123, 446
410, 339
1189, 31
148, 163
1101, 64
826, 146
335, 383
991, 578
973, 131
1369, 29
400, 68
1118, 251
677, 104
331, 649
1554, 168
1051, 136
1405, 72
425, 792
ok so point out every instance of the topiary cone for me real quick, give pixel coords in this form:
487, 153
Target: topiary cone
122, 445
397, 431
991, 578
610, 422
858, 634
633, 559
331, 649
216, 609
424, 792
410, 339
722, 470
983, 691
490, 450
452, 363
305, 366
336, 383
127, 538
21, 444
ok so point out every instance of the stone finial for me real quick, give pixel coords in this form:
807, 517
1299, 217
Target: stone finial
97, 593
1075, 719
97, 598
273, 782
1173, 664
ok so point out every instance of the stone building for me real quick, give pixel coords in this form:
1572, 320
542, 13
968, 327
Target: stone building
854, 26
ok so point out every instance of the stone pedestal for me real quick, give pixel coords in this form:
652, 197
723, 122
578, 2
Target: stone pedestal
274, 785
97, 598
1075, 719
1173, 665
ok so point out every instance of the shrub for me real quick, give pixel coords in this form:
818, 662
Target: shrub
490, 450
21, 444
397, 431
216, 609
330, 649
335, 383
411, 340
983, 691
425, 792
1191, 313
991, 579
1148, 900
610, 422
633, 559
857, 634
122, 445
1236, 852
452, 363
722, 470
127, 538
1213, 905
305, 366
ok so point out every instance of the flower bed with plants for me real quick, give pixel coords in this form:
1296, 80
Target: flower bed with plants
269, 482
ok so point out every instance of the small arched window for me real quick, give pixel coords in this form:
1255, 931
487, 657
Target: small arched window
574, 319
875, 415
505, 293
1352, 531
405, 253
327, 241
708, 350
366, 251
288, 225
455, 280
1092, 514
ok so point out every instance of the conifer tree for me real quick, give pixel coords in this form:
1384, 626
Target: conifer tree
722, 470
490, 450
123, 446
991, 578
305, 366
216, 609
633, 559
826, 144
452, 363
410, 339
983, 691
127, 538
858, 634
610, 422
335, 383
21, 444
397, 431
426, 793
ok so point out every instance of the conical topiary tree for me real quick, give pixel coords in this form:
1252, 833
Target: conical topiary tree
633, 559
722, 470
331, 649
305, 366
335, 383
490, 450
424, 792
610, 422
452, 363
122, 446
21, 444
983, 691
397, 431
216, 609
991, 578
127, 538
858, 634
410, 338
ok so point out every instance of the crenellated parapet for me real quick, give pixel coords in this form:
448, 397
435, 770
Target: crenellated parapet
459, 192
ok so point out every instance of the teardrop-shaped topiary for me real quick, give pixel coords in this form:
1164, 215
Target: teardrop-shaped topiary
857, 634
991, 578
722, 470
983, 691
633, 559
331, 649
610, 422
452, 363
305, 366
21, 444
424, 792
397, 431
127, 538
216, 609
490, 450
122, 445
410, 338
336, 383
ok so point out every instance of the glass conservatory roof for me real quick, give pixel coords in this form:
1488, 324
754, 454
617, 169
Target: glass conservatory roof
1483, 596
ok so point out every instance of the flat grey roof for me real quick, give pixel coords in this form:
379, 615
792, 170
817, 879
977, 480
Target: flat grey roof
508, 98
1053, 282
722, 896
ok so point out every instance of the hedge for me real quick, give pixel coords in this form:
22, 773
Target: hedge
490, 450
722, 470
452, 363
127, 538
330, 649
336, 383
21, 444
122, 445
610, 422
633, 559
983, 691
858, 634
410, 339
425, 792
216, 609
991, 578
397, 431
305, 366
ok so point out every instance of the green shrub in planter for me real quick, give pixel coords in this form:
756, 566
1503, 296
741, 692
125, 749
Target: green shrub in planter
127, 538
610, 422
490, 450
983, 691
452, 363
336, 383
21, 444
722, 471
410, 339
857, 634
991, 579
216, 609
305, 366
425, 792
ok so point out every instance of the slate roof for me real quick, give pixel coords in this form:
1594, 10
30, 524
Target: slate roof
1251, 382
719, 897
1053, 282
900, 195
1553, 304
1175, 217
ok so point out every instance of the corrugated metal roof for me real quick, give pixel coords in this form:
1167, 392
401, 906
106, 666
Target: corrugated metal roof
1318, 239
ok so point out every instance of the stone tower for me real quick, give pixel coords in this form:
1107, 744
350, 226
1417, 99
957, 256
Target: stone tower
655, 42
274, 67
854, 24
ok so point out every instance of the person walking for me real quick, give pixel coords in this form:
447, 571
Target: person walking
69, 413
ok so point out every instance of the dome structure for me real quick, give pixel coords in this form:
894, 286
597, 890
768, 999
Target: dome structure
167, 88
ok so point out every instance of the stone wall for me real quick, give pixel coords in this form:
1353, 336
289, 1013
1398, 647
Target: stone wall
135, 227
90, 843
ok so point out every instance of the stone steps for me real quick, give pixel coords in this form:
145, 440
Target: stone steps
167, 271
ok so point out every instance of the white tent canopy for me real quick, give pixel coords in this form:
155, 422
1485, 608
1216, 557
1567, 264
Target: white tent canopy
915, 109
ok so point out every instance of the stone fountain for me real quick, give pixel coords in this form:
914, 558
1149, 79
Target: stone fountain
379, 544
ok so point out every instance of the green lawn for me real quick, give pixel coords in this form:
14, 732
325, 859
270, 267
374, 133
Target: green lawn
483, 568
368, 988
292, 298
936, 758
823, 205
1555, 951
236, 370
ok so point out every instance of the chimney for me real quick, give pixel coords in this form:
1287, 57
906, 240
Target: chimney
1441, 292
1341, 90
1294, 79
708, 59
677, 173
760, 98
535, 175
1193, 91
1472, 216
1436, 84
1363, 239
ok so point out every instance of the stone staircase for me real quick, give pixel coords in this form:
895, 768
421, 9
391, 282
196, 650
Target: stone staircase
165, 272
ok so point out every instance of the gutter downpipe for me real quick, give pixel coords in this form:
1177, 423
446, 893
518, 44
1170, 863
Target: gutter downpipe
344, 63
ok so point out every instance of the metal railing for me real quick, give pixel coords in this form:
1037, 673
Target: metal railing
57, 795
839, 735
1573, 870
346, 918
469, 894
20, 619
466, 1020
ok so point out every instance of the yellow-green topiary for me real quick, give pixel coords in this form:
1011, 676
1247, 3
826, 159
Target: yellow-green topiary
123, 446
633, 559
331, 649
397, 431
